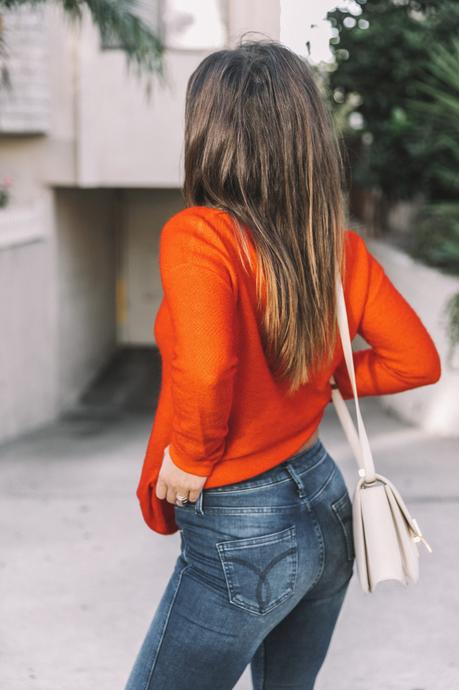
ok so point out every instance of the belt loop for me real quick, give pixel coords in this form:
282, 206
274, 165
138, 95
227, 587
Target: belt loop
198, 505
297, 480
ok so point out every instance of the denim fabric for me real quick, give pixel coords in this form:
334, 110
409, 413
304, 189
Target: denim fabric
260, 579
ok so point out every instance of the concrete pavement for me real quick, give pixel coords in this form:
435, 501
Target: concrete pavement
81, 574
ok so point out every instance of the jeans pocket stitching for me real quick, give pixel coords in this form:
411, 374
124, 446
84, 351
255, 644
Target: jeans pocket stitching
233, 566
342, 509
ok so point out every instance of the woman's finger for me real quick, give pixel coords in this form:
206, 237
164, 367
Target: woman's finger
192, 496
171, 494
161, 488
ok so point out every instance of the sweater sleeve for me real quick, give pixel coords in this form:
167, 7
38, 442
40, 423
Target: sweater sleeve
202, 306
402, 353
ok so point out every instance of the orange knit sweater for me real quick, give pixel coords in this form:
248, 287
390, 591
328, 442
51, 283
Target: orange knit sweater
219, 408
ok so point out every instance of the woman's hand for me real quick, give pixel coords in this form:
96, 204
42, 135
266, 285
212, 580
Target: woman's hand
173, 481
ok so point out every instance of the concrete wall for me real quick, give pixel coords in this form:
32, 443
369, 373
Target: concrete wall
434, 408
258, 15
102, 128
72, 260
86, 230
28, 386
57, 303
144, 211
124, 138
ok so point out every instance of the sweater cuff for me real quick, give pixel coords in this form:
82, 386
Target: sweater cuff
343, 383
202, 468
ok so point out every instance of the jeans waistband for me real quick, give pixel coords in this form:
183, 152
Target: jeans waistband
304, 458
300, 462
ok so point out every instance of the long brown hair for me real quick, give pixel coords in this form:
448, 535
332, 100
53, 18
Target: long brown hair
260, 144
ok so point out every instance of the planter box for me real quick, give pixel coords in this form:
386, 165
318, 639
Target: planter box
434, 408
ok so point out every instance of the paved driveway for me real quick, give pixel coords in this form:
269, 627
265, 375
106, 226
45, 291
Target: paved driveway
81, 574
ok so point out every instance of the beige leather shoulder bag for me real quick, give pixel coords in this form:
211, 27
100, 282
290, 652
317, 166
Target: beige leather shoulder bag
385, 535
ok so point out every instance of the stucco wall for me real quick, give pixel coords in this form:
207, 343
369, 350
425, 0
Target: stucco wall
144, 211
28, 383
86, 280
434, 408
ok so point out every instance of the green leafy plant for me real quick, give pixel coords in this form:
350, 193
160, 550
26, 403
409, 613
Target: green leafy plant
435, 236
395, 93
436, 233
439, 80
380, 49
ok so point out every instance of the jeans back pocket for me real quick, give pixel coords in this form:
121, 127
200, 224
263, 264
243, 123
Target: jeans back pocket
342, 509
260, 572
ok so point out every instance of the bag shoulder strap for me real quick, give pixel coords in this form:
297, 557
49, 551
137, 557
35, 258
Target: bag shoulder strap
358, 440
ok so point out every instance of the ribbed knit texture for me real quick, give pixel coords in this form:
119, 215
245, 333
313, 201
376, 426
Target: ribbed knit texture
220, 409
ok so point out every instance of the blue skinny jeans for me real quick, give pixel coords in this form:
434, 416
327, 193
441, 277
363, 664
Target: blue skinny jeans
262, 573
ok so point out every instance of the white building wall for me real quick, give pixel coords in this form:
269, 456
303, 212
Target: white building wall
127, 139
144, 213
28, 343
86, 235
69, 293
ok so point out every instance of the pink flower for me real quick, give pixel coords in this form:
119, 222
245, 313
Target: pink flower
7, 181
